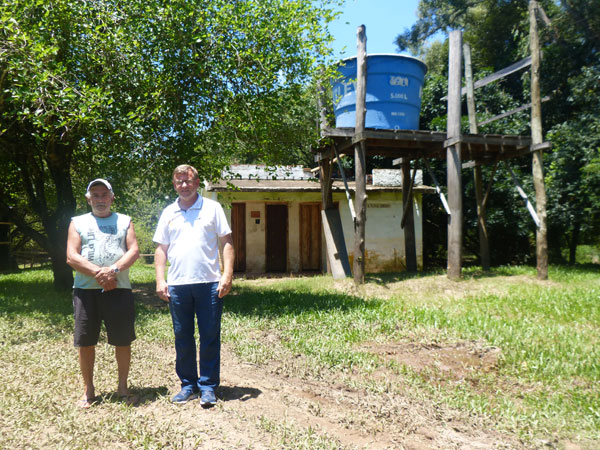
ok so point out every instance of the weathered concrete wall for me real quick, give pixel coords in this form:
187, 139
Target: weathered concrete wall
255, 237
393, 177
384, 237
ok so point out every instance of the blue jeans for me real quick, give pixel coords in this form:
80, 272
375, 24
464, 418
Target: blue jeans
199, 301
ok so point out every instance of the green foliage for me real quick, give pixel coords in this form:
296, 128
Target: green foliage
128, 90
497, 32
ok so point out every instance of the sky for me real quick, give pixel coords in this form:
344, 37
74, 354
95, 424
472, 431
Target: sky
383, 19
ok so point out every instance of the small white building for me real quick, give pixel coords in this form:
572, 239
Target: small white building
275, 215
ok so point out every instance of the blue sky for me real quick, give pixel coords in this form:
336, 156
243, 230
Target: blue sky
383, 19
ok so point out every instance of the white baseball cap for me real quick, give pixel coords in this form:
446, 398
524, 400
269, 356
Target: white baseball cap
99, 181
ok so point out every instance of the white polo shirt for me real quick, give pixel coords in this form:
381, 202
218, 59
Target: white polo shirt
193, 240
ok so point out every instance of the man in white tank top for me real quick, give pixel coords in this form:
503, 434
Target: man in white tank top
101, 246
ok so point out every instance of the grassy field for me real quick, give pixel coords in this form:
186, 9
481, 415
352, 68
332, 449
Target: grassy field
501, 352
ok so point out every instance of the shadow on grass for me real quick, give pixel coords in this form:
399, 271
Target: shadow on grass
32, 293
145, 296
273, 302
138, 397
393, 277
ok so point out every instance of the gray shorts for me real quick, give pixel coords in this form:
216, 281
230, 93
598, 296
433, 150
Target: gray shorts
115, 307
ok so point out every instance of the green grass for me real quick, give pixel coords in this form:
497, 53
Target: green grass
545, 382
548, 332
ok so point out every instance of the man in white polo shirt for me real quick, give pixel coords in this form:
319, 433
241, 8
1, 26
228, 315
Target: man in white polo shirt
188, 235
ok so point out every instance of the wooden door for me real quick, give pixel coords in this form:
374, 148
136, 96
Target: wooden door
310, 236
277, 219
238, 229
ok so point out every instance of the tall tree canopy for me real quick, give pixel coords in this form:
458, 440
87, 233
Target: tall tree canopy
126, 89
498, 33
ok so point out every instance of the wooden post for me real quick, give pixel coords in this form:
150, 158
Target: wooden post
325, 165
484, 246
325, 168
337, 256
410, 246
455, 219
359, 157
536, 139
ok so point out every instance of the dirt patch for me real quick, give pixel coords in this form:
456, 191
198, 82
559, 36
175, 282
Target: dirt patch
267, 407
352, 418
458, 360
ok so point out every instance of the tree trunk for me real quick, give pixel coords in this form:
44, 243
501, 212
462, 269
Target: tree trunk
5, 256
37, 179
63, 274
57, 224
537, 138
573, 242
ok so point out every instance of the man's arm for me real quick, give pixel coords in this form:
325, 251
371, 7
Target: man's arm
74, 258
106, 274
228, 259
160, 264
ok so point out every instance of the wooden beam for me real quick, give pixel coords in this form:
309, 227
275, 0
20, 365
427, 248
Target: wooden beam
408, 222
346, 189
337, 255
470, 89
408, 195
536, 139
543, 146
399, 136
451, 141
525, 62
360, 157
511, 112
326, 183
455, 218
326, 153
488, 139
484, 247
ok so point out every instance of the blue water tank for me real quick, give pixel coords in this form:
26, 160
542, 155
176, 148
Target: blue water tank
393, 98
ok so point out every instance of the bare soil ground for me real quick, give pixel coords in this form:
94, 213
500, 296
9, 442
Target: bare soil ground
260, 407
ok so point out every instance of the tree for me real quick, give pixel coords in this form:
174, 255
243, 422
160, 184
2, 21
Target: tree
126, 90
573, 177
498, 34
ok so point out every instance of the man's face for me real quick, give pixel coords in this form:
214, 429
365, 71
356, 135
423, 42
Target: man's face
186, 185
100, 200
